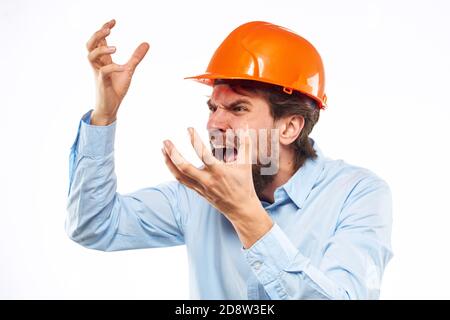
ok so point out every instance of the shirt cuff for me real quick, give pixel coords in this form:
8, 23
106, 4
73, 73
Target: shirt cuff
95, 141
271, 255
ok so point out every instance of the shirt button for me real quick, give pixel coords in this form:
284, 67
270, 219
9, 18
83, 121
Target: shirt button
257, 265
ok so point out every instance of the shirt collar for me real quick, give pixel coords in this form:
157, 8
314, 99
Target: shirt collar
299, 186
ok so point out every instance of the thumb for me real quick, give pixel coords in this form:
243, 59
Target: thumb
138, 55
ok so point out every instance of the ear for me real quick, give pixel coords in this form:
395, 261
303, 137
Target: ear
290, 128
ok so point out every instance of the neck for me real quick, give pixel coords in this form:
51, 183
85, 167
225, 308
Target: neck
285, 172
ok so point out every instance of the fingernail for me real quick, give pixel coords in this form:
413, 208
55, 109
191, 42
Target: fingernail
166, 143
111, 49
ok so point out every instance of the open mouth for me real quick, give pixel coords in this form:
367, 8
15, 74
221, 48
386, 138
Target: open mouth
225, 154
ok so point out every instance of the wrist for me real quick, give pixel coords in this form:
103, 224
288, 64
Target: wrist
101, 120
252, 225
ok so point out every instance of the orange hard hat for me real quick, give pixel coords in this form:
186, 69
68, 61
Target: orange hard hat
268, 53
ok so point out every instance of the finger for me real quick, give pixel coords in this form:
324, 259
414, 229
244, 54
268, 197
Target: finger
110, 24
245, 147
200, 148
183, 165
179, 176
138, 55
99, 52
188, 182
99, 36
106, 71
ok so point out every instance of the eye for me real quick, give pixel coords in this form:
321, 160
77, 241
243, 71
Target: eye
211, 108
239, 109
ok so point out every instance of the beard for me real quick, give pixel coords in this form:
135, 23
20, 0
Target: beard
260, 181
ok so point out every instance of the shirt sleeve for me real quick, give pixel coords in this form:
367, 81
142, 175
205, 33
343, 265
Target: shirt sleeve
99, 217
352, 261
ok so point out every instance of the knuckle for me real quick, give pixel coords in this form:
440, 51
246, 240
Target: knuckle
183, 167
208, 185
218, 173
103, 71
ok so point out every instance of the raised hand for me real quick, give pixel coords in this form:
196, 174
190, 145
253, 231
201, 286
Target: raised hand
112, 79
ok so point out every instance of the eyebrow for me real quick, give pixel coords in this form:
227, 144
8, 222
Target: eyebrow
231, 105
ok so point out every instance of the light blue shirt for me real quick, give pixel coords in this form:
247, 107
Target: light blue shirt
330, 239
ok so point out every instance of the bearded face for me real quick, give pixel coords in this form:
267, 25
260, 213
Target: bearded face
231, 112
265, 152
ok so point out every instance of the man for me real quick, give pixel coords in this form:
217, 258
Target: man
257, 226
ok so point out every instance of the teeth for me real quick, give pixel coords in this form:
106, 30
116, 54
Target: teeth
224, 147
225, 154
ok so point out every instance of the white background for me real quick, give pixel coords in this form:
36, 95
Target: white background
387, 65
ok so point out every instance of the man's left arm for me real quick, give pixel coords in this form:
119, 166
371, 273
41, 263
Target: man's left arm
352, 262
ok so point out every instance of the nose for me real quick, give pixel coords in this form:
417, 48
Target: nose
218, 120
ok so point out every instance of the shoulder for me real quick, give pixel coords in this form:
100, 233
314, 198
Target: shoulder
354, 188
350, 176
364, 196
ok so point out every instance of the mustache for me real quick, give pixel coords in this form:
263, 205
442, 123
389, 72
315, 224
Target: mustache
265, 147
221, 140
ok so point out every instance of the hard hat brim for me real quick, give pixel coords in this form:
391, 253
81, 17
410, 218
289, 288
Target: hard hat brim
208, 79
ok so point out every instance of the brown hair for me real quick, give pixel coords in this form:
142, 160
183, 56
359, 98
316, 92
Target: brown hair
284, 105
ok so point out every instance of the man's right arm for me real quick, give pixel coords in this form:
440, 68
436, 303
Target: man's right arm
99, 217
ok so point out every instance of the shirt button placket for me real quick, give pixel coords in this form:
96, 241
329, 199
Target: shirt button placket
252, 288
